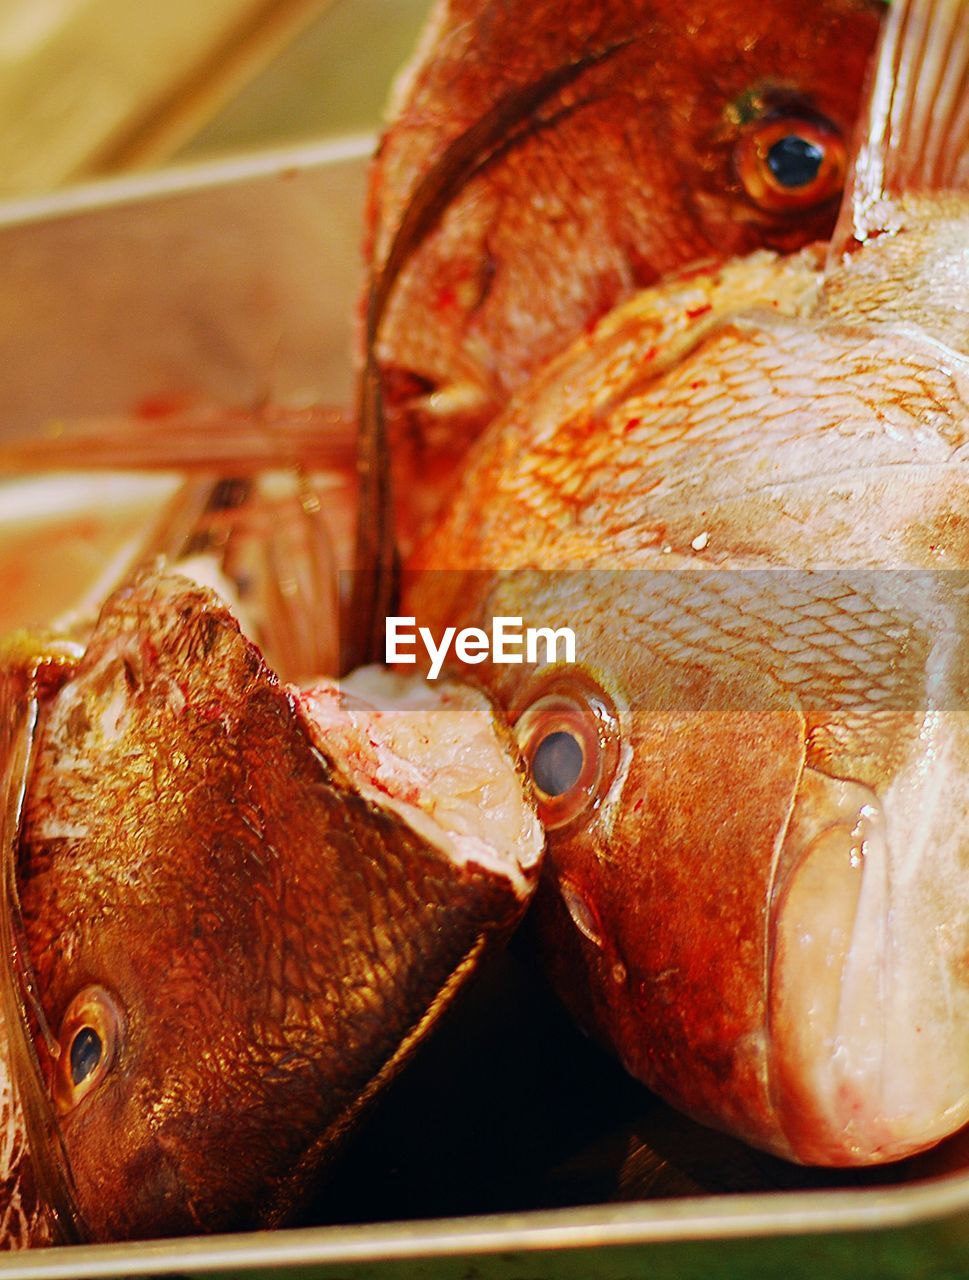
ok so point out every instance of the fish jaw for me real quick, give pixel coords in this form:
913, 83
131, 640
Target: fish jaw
279, 941
868, 998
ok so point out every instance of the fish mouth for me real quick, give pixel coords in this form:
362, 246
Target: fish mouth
858, 1073
439, 759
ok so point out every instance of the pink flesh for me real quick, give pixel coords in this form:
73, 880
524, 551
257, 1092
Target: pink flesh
437, 757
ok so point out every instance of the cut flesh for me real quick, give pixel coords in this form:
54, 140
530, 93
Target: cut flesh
438, 757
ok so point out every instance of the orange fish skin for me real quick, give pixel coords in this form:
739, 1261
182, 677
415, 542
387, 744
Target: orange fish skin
276, 944
759, 916
628, 173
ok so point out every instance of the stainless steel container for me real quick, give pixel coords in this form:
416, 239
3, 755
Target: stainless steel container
236, 283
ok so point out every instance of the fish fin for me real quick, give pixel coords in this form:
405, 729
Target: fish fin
914, 136
239, 440
300, 630
23, 1015
269, 552
273, 559
376, 562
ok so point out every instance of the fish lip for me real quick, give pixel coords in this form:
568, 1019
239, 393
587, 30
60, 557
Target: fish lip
163, 1184
828, 984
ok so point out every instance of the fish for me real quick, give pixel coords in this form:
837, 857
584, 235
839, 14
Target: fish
745, 492
233, 909
168, 1060
542, 163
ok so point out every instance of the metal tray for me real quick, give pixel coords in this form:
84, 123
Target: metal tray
513, 1149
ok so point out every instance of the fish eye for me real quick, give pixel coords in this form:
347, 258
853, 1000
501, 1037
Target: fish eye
569, 740
557, 762
791, 163
88, 1044
86, 1050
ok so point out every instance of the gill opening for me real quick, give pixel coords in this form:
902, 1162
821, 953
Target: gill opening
512, 119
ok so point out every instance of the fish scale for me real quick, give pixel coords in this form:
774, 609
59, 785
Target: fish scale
716, 443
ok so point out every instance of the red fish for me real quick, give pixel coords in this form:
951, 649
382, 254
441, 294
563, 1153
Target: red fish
543, 162
234, 910
227, 1037
753, 780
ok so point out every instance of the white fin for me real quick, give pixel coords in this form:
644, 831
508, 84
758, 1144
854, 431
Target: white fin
915, 134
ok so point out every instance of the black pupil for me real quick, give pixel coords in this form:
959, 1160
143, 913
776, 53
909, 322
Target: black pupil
557, 763
794, 161
85, 1054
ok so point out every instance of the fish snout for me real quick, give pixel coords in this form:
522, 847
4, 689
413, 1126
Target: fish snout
138, 1189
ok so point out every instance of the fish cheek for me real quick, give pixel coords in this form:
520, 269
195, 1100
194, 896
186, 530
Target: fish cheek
682, 885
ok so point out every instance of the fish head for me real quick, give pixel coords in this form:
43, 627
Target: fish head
753, 798
243, 907
545, 161
751, 787
665, 778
